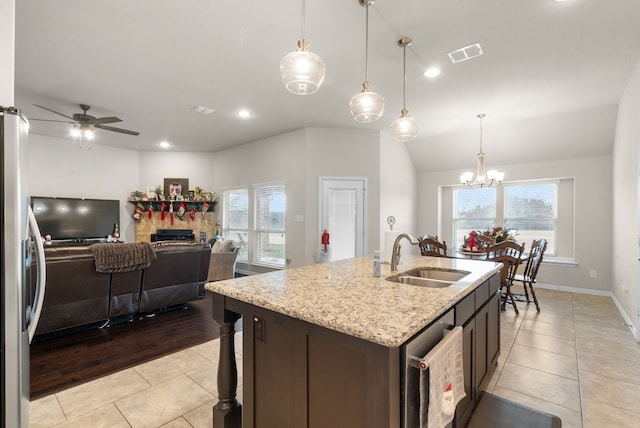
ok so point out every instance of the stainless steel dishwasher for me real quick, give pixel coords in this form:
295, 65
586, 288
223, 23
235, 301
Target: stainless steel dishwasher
414, 349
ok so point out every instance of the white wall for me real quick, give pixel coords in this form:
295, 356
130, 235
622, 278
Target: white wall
342, 153
197, 167
626, 196
7, 51
271, 159
300, 157
593, 216
59, 167
398, 191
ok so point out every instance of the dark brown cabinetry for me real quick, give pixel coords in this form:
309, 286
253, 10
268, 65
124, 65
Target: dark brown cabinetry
298, 374
481, 343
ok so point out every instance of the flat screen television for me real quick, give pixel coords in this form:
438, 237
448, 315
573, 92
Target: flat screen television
75, 219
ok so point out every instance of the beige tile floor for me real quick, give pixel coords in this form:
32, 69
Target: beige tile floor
575, 359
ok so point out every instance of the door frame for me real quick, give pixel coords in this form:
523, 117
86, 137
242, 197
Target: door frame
365, 182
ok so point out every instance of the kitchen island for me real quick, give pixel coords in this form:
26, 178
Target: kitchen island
329, 344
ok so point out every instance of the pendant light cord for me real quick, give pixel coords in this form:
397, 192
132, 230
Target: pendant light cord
404, 77
366, 45
480, 116
303, 13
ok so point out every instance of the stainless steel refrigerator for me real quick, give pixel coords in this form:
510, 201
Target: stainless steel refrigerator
21, 305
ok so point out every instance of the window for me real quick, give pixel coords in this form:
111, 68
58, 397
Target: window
473, 209
270, 209
264, 243
535, 209
532, 210
235, 219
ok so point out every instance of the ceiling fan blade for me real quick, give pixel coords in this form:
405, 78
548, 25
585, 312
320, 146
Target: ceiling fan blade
103, 120
122, 131
49, 120
53, 111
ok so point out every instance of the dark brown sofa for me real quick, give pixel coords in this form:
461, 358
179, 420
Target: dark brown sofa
77, 295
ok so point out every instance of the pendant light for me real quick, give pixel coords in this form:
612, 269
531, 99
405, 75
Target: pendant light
483, 179
366, 106
302, 71
404, 128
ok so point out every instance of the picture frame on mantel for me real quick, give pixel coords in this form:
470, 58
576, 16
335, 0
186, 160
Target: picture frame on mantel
175, 186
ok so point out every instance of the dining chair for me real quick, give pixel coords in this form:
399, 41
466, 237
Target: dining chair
508, 253
528, 276
485, 241
430, 246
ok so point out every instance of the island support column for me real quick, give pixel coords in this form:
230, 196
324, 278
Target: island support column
227, 413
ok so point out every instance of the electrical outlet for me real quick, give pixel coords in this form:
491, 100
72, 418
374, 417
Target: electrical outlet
638, 311
593, 273
625, 289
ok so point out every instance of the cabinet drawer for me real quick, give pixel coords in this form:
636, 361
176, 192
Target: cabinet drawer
482, 294
465, 309
494, 284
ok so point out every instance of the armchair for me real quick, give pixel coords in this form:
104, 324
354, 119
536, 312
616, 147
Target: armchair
222, 264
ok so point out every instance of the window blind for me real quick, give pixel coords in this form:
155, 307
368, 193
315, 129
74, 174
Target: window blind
270, 214
235, 218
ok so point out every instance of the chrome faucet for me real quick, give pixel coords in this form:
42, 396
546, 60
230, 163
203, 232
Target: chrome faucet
395, 254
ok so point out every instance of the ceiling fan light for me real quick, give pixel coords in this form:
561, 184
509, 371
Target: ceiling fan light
405, 128
89, 134
302, 71
75, 132
366, 106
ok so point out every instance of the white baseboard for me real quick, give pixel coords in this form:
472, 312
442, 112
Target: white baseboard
627, 320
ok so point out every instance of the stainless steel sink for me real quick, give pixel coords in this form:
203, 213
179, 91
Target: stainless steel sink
429, 277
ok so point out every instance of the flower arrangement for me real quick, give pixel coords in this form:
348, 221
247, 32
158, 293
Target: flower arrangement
500, 233
497, 234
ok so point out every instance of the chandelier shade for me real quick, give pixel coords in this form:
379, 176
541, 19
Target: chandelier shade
302, 71
404, 128
483, 178
366, 106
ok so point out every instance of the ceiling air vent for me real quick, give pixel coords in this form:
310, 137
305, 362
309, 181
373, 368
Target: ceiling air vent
465, 53
202, 109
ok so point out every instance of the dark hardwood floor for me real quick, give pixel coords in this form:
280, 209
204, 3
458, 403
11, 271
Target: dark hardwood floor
61, 362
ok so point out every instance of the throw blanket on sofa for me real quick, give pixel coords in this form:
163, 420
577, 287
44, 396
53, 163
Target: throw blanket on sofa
123, 257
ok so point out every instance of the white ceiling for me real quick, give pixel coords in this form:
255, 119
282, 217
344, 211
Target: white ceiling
549, 80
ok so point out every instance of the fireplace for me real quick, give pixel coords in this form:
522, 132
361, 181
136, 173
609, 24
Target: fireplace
173, 235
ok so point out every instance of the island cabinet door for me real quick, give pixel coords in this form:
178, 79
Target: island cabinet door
301, 375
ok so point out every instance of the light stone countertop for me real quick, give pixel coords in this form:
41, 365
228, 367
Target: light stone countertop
345, 296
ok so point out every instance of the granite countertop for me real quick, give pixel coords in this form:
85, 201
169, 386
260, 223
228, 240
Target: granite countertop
345, 296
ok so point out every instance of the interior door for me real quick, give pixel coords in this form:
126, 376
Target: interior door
343, 216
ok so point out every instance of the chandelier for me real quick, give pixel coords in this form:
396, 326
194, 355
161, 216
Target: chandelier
302, 71
483, 179
366, 106
404, 128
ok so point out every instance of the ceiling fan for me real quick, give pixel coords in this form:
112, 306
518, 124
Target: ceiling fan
85, 122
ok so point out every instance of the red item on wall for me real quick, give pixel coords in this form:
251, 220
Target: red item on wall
325, 240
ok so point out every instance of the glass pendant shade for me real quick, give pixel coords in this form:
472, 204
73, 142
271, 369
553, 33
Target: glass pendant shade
302, 71
405, 128
366, 106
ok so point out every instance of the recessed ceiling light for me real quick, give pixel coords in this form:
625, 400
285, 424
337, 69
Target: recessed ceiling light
244, 114
164, 144
432, 72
